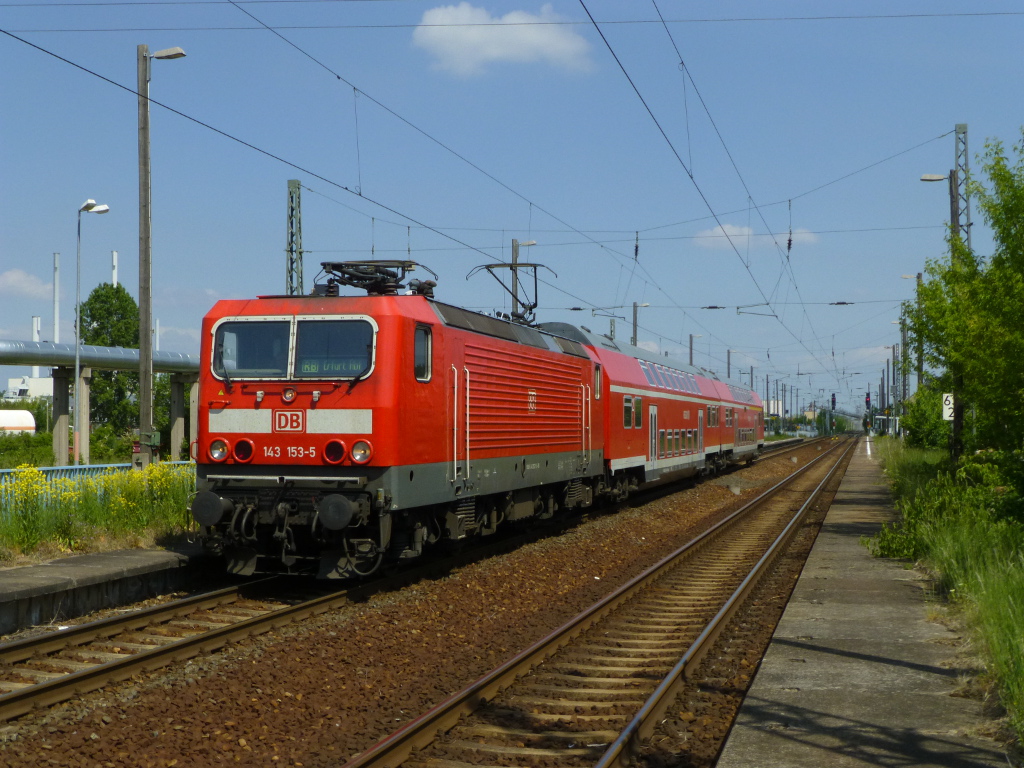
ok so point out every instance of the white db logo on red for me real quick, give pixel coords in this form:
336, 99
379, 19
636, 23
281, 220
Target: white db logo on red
289, 421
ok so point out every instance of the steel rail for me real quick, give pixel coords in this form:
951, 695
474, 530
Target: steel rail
422, 731
24, 649
17, 703
623, 750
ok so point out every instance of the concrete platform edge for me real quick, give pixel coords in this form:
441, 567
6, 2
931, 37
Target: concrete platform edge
74, 586
856, 674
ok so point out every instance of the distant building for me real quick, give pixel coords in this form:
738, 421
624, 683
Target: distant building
28, 388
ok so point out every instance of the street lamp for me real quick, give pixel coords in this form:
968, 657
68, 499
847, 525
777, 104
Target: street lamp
89, 206
692, 337
145, 254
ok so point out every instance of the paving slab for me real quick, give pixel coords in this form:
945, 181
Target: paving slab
856, 673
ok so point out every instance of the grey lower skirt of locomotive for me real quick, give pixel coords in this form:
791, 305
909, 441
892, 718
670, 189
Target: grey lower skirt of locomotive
297, 525
348, 528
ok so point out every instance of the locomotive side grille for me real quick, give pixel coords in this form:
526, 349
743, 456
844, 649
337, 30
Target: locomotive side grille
518, 399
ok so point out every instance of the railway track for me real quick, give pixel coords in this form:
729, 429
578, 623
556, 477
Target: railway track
45, 670
590, 692
41, 671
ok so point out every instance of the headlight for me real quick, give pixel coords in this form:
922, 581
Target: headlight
244, 449
361, 452
218, 450
334, 452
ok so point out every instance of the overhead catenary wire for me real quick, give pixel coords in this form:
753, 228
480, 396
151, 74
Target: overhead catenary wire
550, 23
689, 173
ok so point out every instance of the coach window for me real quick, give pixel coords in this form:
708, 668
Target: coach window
661, 443
627, 412
646, 371
638, 413
421, 353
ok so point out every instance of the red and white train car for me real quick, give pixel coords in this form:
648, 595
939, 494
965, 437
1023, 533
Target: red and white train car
337, 433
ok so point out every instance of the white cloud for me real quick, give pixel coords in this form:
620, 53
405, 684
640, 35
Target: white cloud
716, 237
17, 282
650, 346
517, 37
169, 331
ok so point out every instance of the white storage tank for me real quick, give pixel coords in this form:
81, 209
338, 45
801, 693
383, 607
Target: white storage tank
16, 422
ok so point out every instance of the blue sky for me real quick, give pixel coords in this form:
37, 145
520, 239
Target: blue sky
393, 102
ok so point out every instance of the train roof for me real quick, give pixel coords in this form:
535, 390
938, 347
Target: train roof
586, 336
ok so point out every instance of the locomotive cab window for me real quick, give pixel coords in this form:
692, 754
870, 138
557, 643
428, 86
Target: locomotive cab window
251, 349
422, 353
333, 349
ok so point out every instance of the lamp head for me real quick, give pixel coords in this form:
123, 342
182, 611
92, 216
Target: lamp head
90, 206
169, 53
933, 177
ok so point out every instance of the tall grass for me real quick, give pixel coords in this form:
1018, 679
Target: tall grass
968, 526
71, 514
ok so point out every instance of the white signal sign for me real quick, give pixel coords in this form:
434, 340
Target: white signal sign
947, 406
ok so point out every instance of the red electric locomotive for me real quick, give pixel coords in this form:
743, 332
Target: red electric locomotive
338, 433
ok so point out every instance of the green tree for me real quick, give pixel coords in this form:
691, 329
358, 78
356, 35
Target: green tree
970, 312
110, 318
923, 423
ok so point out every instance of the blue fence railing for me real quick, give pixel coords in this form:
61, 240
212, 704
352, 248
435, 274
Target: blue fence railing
9, 476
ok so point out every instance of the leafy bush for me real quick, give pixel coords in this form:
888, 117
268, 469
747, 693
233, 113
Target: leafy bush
16, 450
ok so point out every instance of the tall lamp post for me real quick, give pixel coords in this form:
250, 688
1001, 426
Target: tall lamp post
692, 337
89, 206
146, 437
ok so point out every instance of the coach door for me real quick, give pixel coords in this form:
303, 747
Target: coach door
652, 424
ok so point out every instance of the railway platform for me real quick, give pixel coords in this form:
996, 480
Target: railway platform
857, 674
64, 588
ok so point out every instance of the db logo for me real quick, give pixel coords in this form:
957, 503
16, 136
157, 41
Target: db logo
289, 421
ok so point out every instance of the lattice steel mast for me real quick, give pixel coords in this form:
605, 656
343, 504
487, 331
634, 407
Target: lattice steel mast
293, 251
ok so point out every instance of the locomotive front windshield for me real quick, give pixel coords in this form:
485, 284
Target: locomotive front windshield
332, 349
322, 349
252, 350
